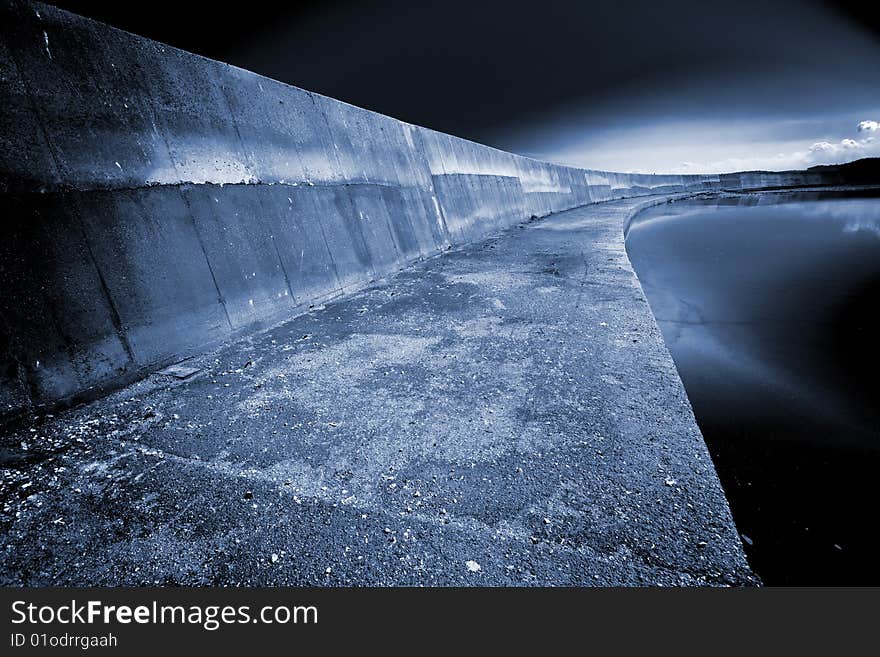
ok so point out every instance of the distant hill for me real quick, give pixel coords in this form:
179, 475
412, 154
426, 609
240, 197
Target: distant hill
862, 172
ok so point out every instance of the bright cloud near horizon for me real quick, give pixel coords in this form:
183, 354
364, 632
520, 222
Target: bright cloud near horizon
844, 150
694, 146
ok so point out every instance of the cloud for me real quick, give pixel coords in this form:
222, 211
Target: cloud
823, 147
820, 152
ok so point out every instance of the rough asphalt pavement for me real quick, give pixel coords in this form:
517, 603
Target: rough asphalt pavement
505, 414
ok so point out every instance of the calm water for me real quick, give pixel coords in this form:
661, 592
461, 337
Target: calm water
770, 305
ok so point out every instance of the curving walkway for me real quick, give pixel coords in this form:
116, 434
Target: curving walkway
504, 414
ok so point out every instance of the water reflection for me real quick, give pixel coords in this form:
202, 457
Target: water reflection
770, 305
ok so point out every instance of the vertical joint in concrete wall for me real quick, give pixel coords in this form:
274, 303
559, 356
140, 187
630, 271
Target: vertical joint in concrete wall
105, 291
421, 155
201, 242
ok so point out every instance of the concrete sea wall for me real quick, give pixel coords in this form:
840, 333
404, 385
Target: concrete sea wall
155, 202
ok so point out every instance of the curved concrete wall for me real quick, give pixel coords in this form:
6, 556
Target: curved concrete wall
156, 202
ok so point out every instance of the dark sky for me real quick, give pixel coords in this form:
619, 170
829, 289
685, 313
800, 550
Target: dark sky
668, 84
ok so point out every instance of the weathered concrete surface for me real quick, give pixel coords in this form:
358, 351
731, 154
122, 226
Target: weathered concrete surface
509, 404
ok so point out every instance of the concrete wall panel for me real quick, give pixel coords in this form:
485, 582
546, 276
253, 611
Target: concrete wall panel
296, 227
282, 136
62, 331
88, 95
241, 251
155, 270
26, 163
344, 234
